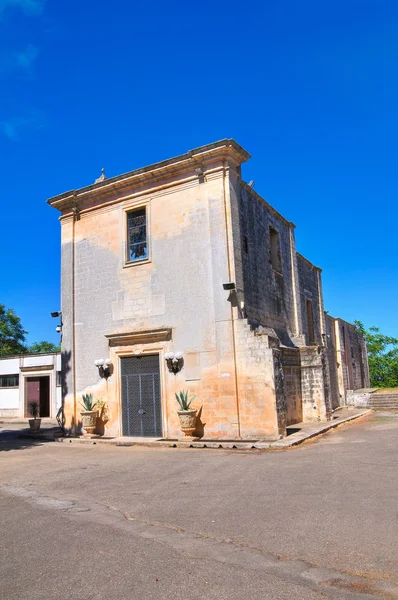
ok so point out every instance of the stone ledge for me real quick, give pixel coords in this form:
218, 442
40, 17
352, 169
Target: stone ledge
291, 441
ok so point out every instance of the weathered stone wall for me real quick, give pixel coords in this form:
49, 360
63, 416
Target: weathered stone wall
179, 288
309, 283
353, 356
315, 397
292, 385
268, 294
260, 386
331, 353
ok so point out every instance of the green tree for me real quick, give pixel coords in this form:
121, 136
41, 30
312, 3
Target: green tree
382, 355
12, 334
41, 347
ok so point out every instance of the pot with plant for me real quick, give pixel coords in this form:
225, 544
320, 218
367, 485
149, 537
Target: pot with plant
34, 409
186, 414
88, 415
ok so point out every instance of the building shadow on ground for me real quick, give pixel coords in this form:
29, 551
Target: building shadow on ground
13, 439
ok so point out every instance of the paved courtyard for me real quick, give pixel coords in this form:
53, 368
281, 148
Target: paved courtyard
94, 522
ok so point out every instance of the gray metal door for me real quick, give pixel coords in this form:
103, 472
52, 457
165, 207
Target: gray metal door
141, 405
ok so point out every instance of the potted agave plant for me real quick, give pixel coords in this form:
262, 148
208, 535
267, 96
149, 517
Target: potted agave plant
34, 409
89, 415
186, 414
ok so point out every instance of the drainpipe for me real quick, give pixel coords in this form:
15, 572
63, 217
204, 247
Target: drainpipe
231, 278
75, 217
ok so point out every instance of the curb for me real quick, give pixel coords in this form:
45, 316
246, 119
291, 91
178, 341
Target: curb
289, 442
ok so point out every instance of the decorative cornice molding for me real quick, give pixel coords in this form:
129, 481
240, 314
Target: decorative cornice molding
277, 214
224, 149
37, 368
139, 337
308, 262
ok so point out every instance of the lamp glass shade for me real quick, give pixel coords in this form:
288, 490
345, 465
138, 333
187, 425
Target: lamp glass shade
178, 355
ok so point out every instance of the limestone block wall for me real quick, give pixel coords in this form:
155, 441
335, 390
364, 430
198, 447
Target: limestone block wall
292, 385
315, 396
179, 288
268, 292
310, 290
353, 356
262, 409
336, 397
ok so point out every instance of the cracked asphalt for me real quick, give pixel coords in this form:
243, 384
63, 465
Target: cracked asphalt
317, 521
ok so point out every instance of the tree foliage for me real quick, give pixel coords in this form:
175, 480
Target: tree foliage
382, 355
41, 347
13, 336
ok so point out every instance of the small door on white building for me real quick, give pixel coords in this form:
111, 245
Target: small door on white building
141, 403
38, 390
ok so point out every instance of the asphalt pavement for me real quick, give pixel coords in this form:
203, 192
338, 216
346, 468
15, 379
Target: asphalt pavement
91, 522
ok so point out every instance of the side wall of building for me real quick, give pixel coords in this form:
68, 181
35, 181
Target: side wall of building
337, 398
265, 263
311, 302
353, 354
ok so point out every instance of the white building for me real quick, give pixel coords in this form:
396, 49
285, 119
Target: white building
27, 378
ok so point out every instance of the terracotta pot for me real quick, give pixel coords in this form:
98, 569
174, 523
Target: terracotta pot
187, 420
34, 425
89, 420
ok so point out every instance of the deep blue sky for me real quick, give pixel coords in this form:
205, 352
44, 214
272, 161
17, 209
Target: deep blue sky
309, 88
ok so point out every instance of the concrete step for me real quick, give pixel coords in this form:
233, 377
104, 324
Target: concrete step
383, 406
383, 402
381, 399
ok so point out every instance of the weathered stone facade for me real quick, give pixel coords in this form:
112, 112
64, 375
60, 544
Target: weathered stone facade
258, 357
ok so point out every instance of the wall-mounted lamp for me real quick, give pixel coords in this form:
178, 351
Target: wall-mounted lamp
229, 286
54, 315
199, 171
174, 362
104, 367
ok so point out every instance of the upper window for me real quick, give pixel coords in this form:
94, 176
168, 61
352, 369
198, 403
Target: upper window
137, 241
9, 381
275, 250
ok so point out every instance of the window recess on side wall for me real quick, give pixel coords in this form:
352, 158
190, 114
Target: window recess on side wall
137, 235
310, 323
275, 251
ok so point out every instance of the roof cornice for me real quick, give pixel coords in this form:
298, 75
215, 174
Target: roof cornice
308, 262
226, 149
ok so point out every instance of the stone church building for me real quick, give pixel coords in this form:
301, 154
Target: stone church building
184, 259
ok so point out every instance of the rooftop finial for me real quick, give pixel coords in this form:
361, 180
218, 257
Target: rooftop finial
101, 177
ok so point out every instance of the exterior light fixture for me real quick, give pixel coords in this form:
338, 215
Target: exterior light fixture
104, 367
174, 361
199, 171
229, 286
54, 315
